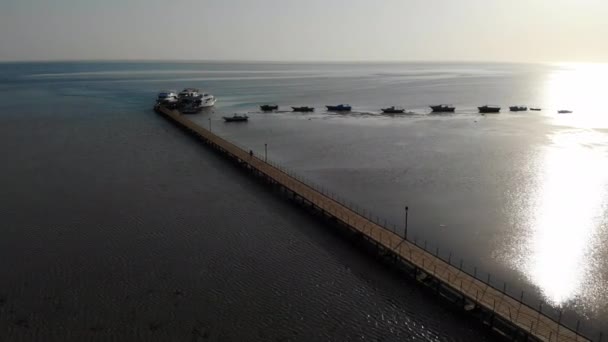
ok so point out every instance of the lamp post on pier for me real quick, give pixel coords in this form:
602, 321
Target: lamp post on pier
406, 210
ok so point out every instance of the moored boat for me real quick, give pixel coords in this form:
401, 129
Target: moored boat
564, 111
393, 110
191, 100
236, 118
489, 109
269, 107
518, 108
340, 108
535, 109
443, 108
167, 98
303, 109
208, 100
189, 92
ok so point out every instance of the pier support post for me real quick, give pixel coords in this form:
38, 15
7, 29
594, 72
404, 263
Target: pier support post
521, 300
540, 310
493, 312
559, 324
531, 327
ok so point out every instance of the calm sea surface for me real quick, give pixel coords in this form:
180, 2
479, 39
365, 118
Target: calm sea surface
114, 224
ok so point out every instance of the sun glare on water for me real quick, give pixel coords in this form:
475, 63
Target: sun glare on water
568, 210
581, 88
562, 213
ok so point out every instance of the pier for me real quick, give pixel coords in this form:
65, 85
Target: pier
504, 313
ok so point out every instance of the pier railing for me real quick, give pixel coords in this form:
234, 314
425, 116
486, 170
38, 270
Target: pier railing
430, 265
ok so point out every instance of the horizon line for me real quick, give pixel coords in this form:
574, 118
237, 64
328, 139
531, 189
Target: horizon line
261, 61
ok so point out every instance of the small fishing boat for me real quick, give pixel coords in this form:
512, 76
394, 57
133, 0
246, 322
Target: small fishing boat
236, 118
393, 110
535, 109
564, 111
443, 108
303, 109
269, 107
518, 108
489, 109
340, 108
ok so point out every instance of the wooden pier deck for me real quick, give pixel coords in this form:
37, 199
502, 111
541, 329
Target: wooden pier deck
475, 294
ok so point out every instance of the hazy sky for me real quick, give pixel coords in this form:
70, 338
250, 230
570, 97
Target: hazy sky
479, 30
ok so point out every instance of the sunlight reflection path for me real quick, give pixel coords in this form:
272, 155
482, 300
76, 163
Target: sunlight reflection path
581, 88
567, 211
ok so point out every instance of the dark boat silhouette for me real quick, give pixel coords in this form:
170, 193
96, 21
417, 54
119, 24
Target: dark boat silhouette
236, 118
489, 109
268, 107
303, 109
564, 111
340, 108
443, 108
518, 108
393, 110
535, 109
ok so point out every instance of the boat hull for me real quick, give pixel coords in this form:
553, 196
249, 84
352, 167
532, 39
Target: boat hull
268, 108
518, 109
303, 109
339, 108
235, 118
443, 109
393, 110
486, 110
